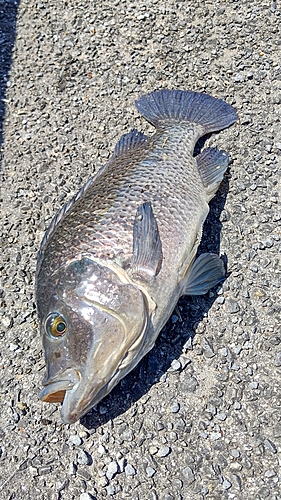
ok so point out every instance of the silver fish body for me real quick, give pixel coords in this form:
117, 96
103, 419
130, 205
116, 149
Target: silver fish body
118, 256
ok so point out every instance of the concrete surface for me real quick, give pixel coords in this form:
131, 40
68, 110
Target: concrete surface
200, 416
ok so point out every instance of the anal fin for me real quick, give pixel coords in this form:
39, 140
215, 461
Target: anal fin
147, 248
204, 273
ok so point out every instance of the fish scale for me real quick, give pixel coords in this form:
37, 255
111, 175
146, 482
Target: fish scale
118, 256
104, 215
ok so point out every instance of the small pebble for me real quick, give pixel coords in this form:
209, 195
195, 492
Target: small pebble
150, 471
203, 434
84, 473
275, 340
211, 409
190, 384
44, 470
253, 385
226, 484
184, 361
207, 347
277, 360
13, 347
235, 467
61, 485
269, 243
188, 475
86, 496
72, 468
112, 469
270, 473
232, 306
204, 491
214, 436
175, 365
223, 351
102, 481
102, 450
221, 416
188, 345
254, 268
102, 410
270, 445
6, 322
163, 451
111, 490
83, 458
264, 492
153, 450
237, 405
174, 408
130, 470
277, 431
159, 426
74, 440
220, 300
237, 349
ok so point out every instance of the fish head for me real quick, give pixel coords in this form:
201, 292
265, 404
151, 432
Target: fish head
93, 325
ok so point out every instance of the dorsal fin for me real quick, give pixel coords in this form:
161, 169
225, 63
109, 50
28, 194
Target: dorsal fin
60, 215
129, 142
212, 164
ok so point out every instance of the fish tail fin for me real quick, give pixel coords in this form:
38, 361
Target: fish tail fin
170, 106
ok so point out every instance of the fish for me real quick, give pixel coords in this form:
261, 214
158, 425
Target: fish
117, 257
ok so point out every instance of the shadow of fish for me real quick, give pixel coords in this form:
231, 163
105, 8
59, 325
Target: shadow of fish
118, 256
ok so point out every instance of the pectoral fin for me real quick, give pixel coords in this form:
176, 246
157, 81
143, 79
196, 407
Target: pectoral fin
147, 249
204, 273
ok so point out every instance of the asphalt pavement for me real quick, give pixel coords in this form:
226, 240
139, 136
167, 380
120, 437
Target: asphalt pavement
199, 418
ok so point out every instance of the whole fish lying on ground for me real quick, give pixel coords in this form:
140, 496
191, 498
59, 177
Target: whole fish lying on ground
118, 256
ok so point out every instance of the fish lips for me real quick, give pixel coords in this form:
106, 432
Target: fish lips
56, 389
65, 388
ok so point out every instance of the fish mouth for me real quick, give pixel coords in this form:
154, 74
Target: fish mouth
55, 389
79, 400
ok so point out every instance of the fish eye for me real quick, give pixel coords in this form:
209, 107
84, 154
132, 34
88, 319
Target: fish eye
56, 325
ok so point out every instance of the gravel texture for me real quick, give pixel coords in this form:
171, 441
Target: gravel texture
200, 416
